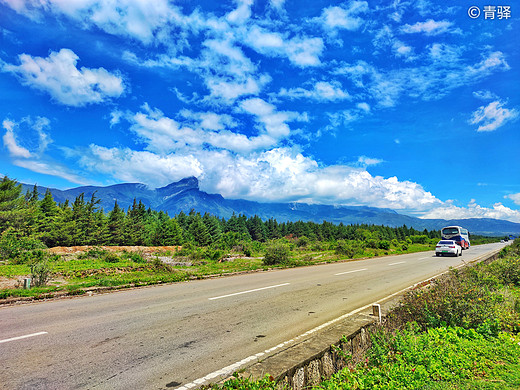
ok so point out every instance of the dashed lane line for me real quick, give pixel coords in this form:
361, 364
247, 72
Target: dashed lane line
22, 337
350, 272
248, 291
399, 262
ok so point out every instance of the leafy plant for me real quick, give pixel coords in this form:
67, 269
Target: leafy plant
40, 272
276, 253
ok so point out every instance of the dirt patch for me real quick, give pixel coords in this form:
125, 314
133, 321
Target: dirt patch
70, 250
11, 282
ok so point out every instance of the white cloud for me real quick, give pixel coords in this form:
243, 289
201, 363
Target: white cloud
430, 27
242, 13
365, 161
52, 169
473, 210
144, 21
334, 18
492, 116
301, 51
485, 95
164, 135
146, 167
279, 174
64, 82
322, 91
274, 122
11, 143
514, 197
426, 82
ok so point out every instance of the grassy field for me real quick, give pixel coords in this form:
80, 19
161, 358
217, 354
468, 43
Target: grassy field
90, 268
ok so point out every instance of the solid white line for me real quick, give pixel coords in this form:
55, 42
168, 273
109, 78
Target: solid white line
248, 291
22, 337
227, 371
399, 262
350, 272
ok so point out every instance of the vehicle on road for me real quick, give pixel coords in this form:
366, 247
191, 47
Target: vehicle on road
448, 248
457, 234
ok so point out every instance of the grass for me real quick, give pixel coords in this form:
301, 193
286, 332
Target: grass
100, 268
461, 333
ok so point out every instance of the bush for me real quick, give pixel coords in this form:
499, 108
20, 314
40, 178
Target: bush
40, 273
136, 257
384, 244
276, 254
94, 253
13, 245
111, 257
345, 248
302, 242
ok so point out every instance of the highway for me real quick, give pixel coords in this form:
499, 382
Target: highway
172, 336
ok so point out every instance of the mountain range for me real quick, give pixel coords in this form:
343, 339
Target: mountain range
185, 195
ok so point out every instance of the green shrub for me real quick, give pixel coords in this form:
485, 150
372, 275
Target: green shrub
276, 254
136, 257
384, 244
40, 273
345, 248
94, 253
13, 244
111, 257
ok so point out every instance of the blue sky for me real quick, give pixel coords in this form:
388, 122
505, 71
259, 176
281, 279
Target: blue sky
408, 105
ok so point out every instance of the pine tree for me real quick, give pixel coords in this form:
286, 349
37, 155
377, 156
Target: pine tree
12, 211
115, 226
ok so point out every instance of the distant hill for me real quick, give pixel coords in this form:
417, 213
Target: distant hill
185, 195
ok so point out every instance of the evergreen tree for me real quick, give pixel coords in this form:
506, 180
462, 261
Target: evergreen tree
198, 231
12, 211
115, 226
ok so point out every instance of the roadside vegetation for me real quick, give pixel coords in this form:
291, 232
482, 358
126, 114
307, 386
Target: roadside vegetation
461, 333
141, 246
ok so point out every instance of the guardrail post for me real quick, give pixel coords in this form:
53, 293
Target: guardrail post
376, 311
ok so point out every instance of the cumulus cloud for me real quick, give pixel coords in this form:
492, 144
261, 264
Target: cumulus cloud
473, 210
279, 174
301, 51
334, 18
492, 116
28, 151
34, 133
163, 135
514, 197
58, 76
142, 20
11, 143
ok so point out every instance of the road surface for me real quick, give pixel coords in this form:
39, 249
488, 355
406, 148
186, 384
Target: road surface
168, 336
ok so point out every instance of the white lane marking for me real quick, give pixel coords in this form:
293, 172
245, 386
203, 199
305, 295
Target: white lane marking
399, 262
227, 371
424, 258
22, 337
248, 291
350, 272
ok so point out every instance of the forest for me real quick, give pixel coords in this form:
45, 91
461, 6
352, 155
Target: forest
83, 222
143, 246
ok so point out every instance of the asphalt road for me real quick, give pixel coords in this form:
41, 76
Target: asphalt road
169, 336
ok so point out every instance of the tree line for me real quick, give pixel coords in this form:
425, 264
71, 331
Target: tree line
84, 222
